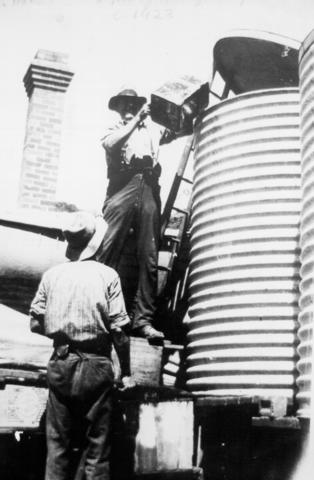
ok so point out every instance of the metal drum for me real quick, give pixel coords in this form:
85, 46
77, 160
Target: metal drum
244, 270
305, 333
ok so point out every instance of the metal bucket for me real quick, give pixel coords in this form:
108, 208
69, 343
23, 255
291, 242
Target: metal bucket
244, 270
305, 333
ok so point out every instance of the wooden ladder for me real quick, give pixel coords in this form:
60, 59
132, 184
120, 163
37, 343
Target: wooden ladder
175, 220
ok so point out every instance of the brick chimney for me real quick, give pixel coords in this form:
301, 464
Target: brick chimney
46, 81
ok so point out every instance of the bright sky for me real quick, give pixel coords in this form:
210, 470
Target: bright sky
114, 43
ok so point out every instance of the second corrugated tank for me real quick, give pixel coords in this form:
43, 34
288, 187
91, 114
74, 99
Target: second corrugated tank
305, 333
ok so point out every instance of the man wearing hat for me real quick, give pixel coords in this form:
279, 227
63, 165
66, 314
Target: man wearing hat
133, 200
79, 304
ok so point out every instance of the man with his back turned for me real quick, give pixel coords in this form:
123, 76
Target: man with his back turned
79, 304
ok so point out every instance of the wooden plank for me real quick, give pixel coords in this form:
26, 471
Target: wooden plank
212, 401
194, 473
278, 423
145, 362
20, 376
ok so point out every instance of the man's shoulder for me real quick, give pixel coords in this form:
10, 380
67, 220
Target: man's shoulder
55, 269
112, 127
108, 272
81, 266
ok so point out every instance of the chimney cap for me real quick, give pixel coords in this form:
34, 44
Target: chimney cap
49, 56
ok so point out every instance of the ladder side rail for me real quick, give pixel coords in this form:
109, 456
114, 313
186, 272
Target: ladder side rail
176, 184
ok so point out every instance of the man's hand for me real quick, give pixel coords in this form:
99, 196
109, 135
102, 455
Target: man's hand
127, 383
144, 112
36, 325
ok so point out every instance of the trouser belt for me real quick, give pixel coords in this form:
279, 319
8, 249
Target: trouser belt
63, 349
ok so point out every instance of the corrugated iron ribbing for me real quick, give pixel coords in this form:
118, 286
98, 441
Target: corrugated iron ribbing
305, 333
244, 271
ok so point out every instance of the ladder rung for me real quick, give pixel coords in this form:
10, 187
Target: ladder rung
172, 346
163, 269
172, 237
180, 210
187, 180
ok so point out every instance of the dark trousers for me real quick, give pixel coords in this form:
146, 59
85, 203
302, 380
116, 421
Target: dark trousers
78, 415
136, 205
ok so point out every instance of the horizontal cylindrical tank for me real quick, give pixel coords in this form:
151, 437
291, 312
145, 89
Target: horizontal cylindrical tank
24, 257
244, 269
305, 349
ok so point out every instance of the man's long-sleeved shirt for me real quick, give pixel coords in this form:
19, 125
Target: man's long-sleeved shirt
143, 141
122, 156
81, 300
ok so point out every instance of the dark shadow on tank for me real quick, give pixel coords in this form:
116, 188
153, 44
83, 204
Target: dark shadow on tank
125, 425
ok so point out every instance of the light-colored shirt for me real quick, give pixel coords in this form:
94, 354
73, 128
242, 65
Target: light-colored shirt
82, 300
143, 141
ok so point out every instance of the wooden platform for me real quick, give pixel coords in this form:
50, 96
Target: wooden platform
194, 473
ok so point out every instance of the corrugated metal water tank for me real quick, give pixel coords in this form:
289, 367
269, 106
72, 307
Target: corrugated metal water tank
305, 333
244, 270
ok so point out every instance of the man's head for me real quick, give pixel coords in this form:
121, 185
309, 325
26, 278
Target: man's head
84, 234
127, 103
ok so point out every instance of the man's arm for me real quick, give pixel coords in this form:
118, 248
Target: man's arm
38, 309
118, 321
116, 137
121, 342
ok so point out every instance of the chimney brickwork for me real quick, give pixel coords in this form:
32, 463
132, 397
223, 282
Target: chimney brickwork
46, 82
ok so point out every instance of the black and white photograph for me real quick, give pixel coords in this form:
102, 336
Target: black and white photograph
156, 239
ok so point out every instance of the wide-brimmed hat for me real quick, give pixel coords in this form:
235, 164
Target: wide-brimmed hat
84, 234
126, 94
